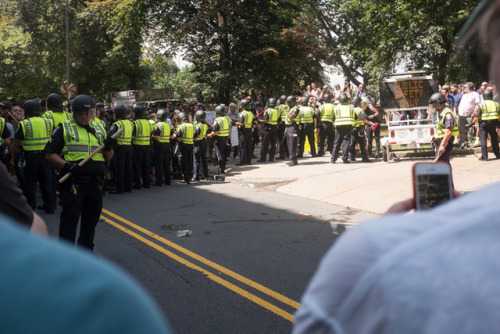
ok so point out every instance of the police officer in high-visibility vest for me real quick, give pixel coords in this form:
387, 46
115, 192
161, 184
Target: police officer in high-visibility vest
141, 146
282, 110
307, 123
81, 194
245, 123
344, 118
486, 114
292, 129
446, 127
185, 136
270, 119
33, 134
200, 147
358, 131
221, 130
162, 133
327, 131
55, 111
123, 150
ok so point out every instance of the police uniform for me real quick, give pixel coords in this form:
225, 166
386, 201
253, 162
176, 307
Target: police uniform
291, 132
200, 151
488, 112
283, 147
372, 134
358, 136
185, 136
162, 150
246, 137
81, 195
141, 155
327, 131
306, 121
221, 126
344, 117
270, 136
446, 119
123, 155
35, 133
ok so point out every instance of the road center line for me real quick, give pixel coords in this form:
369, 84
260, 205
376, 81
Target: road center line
213, 277
209, 263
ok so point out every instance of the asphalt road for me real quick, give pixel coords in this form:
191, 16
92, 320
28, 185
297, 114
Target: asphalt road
243, 269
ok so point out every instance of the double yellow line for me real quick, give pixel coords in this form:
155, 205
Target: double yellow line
257, 300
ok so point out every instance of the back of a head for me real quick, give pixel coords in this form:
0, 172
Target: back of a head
162, 115
245, 103
343, 99
55, 102
357, 101
200, 116
282, 99
219, 110
32, 108
139, 112
183, 117
304, 101
291, 100
271, 102
121, 112
437, 98
327, 98
488, 94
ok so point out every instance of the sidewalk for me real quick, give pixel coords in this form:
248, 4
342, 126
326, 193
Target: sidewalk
371, 187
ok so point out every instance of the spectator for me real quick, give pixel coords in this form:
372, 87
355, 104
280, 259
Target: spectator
468, 103
457, 96
315, 91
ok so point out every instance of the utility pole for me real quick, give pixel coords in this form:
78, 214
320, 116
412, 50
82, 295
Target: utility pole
68, 60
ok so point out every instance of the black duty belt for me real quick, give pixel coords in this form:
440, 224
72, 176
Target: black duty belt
88, 179
36, 151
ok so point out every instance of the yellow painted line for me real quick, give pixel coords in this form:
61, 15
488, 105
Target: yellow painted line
213, 277
209, 263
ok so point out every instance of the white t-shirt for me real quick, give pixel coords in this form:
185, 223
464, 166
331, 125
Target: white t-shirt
468, 104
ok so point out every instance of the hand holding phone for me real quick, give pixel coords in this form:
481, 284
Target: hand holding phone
432, 184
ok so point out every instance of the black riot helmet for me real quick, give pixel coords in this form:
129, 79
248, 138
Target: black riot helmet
200, 116
245, 103
55, 102
219, 110
183, 117
162, 115
343, 99
121, 112
488, 94
327, 98
282, 99
271, 102
291, 101
140, 112
357, 101
82, 103
32, 108
304, 101
437, 98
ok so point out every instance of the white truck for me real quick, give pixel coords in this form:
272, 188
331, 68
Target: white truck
130, 97
408, 91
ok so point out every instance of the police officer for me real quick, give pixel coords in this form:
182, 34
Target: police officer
282, 110
33, 134
185, 136
245, 123
307, 125
221, 130
99, 114
344, 117
162, 133
81, 195
327, 131
55, 111
291, 129
200, 147
486, 114
446, 128
358, 131
141, 145
123, 150
270, 119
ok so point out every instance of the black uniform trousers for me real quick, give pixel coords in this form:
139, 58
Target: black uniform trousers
326, 132
369, 137
200, 159
269, 139
283, 149
358, 137
291, 140
220, 151
162, 163
488, 128
186, 160
38, 170
307, 130
123, 168
141, 161
85, 204
342, 137
246, 139
445, 157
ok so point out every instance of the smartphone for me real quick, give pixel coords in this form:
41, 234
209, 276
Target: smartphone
432, 184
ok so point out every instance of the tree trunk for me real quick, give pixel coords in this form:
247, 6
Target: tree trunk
224, 55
